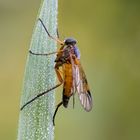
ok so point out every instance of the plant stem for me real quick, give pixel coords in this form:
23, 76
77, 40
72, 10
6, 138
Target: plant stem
35, 120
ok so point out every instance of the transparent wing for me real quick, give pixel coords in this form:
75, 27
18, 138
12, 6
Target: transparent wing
83, 88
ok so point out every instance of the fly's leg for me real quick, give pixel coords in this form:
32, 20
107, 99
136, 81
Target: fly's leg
57, 65
56, 111
45, 54
57, 33
73, 100
56, 39
39, 95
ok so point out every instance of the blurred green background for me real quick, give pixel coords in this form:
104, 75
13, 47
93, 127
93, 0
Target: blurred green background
108, 34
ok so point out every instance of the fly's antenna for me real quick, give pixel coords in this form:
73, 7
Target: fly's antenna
56, 39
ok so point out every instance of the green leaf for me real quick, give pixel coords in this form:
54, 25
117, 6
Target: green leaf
35, 121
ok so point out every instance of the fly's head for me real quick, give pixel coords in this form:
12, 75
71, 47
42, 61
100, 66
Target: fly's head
70, 42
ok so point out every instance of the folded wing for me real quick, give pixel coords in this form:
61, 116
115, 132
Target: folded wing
83, 88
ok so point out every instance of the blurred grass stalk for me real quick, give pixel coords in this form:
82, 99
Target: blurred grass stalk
35, 120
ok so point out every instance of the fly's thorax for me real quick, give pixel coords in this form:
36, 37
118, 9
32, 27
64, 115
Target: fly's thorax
68, 49
73, 49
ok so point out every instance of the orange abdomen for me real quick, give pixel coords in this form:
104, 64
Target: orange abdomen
68, 81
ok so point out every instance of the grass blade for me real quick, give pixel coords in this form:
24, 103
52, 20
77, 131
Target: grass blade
35, 120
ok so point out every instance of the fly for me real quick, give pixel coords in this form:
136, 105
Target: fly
73, 78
